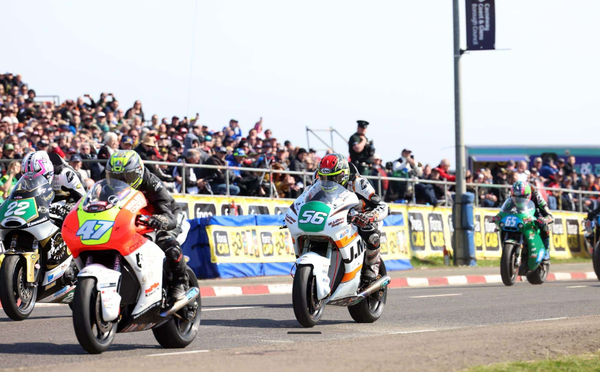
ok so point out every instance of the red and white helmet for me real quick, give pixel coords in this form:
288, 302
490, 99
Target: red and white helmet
39, 163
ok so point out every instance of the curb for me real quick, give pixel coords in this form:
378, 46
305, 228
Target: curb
229, 291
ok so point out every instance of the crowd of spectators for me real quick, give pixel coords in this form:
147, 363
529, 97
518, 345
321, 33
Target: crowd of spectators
84, 128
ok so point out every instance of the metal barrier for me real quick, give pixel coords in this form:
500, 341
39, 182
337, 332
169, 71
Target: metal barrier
580, 195
54, 98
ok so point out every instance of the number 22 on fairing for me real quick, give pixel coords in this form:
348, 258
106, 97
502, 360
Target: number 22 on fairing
88, 230
17, 208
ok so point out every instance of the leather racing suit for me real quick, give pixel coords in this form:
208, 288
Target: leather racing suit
373, 206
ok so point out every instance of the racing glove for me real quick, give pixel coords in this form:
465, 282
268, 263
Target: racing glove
496, 219
540, 222
364, 219
158, 222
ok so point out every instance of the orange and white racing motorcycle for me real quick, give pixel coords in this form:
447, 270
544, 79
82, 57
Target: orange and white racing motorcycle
122, 273
330, 258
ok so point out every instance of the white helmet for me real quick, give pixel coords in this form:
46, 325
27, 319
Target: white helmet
39, 163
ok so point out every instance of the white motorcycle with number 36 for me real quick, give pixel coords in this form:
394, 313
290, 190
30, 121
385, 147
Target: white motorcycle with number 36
330, 255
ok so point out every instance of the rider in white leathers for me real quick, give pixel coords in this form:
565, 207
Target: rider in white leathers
333, 171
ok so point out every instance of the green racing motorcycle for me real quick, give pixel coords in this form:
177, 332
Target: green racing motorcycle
523, 248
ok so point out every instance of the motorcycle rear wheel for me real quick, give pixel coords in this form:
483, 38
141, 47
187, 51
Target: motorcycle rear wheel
18, 300
307, 308
93, 334
370, 309
596, 260
538, 276
508, 269
178, 333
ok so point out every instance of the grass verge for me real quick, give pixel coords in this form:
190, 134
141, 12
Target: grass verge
585, 362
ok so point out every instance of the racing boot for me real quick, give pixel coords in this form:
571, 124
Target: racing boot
177, 289
371, 270
546, 259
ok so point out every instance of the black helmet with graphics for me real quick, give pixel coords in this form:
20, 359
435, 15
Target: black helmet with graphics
126, 166
333, 170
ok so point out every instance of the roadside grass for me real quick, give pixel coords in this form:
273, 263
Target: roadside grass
438, 262
585, 362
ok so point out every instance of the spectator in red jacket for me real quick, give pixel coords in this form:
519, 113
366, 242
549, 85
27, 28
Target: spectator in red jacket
443, 169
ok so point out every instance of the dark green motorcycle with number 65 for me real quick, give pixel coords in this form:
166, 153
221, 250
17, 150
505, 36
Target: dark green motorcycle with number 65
522, 247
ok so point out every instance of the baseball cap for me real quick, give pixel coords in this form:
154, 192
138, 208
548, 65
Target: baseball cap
9, 146
127, 139
362, 123
43, 143
239, 152
101, 114
75, 157
221, 149
377, 156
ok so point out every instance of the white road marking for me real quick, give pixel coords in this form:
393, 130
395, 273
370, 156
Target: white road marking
279, 341
417, 282
179, 353
457, 280
545, 320
439, 295
411, 332
229, 308
576, 286
48, 305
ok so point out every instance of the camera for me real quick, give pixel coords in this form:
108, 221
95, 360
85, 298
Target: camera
369, 150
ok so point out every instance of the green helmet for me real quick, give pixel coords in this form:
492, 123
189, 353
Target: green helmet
126, 166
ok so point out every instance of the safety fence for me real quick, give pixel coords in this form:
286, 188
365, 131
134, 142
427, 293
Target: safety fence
581, 199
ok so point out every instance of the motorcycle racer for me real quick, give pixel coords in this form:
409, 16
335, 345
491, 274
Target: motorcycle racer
65, 181
168, 219
521, 193
334, 171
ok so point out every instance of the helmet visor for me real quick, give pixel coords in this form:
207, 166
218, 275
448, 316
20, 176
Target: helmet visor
521, 201
129, 178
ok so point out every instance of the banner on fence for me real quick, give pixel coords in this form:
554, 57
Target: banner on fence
420, 231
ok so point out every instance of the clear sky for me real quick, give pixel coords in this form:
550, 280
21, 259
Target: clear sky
322, 64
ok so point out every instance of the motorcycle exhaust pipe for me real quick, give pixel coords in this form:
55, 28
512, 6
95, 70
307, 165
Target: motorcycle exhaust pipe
190, 296
376, 286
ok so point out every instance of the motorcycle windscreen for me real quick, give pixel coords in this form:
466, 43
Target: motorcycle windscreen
28, 202
511, 206
104, 195
326, 192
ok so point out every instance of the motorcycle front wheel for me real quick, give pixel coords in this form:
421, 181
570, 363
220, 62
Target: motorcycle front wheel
181, 330
93, 334
370, 309
508, 267
307, 307
17, 297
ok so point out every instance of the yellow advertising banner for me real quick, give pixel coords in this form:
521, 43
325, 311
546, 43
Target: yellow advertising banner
426, 231
250, 244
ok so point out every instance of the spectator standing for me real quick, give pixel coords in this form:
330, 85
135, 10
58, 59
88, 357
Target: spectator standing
548, 168
136, 110
299, 165
501, 179
522, 172
569, 167
360, 148
378, 170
